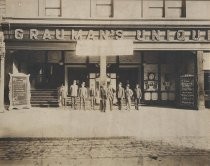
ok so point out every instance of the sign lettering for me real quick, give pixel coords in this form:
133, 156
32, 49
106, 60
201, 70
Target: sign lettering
140, 35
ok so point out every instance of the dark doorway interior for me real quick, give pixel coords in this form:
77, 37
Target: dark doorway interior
128, 76
78, 74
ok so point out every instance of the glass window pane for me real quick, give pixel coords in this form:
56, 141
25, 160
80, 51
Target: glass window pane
104, 11
108, 2
155, 3
53, 3
155, 12
52, 12
177, 3
174, 12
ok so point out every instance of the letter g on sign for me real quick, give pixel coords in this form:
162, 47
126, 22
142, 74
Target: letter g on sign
18, 34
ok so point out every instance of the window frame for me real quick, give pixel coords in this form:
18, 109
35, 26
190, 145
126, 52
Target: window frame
95, 4
48, 8
165, 7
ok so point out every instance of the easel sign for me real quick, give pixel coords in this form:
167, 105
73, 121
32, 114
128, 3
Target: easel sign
19, 91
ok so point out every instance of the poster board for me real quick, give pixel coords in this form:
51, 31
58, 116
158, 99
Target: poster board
19, 91
187, 92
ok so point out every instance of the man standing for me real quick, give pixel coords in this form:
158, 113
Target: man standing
73, 94
103, 95
110, 95
82, 95
137, 96
120, 95
62, 95
92, 94
128, 95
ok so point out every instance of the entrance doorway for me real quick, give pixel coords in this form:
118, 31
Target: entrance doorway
79, 74
129, 76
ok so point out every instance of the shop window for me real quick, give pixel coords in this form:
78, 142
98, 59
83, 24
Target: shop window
53, 8
104, 8
165, 8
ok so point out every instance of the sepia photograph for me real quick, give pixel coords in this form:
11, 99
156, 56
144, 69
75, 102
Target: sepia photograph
104, 82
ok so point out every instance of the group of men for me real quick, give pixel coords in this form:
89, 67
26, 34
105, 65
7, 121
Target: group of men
103, 96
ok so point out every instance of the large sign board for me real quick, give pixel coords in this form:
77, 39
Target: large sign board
138, 34
19, 91
187, 93
104, 47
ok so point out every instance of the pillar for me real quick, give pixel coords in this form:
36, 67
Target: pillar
2, 61
103, 77
200, 81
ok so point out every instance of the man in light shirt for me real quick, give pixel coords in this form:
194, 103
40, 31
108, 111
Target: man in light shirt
74, 94
83, 96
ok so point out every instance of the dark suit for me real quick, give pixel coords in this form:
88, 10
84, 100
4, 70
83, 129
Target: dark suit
83, 96
120, 95
103, 95
110, 97
92, 94
137, 97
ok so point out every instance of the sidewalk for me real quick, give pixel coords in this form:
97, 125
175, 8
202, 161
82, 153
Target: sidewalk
188, 128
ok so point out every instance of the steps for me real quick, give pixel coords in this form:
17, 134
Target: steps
44, 98
49, 98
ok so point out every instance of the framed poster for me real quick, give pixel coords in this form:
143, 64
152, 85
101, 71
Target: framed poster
19, 91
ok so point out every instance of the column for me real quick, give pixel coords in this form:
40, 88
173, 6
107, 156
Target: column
2, 59
103, 77
200, 81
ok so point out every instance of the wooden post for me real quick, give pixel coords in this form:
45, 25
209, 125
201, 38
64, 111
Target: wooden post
2, 59
103, 78
200, 81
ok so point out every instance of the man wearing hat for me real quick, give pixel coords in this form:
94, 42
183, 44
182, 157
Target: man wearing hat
83, 95
73, 94
120, 95
128, 95
137, 96
103, 96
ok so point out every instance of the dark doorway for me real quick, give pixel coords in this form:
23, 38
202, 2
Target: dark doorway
128, 76
78, 74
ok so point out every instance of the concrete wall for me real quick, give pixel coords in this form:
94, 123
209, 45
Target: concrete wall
2, 8
198, 9
23, 8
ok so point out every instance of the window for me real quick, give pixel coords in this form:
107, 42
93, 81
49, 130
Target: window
175, 9
53, 8
156, 8
165, 8
104, 8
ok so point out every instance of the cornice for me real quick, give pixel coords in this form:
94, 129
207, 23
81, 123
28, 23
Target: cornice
66, 22
7, 25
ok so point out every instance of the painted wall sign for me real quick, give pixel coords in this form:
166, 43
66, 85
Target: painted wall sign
139, 35
19, 93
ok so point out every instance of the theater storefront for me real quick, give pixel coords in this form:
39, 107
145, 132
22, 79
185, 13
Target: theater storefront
162, 59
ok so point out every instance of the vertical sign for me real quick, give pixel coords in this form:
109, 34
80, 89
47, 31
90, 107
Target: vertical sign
187, 91
19, 91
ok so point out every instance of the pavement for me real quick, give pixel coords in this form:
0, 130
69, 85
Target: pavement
189, 128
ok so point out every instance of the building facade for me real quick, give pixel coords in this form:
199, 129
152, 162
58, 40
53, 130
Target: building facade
58, 41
